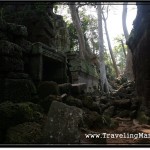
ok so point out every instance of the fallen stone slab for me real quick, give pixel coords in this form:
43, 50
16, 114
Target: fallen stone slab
78, 88
65, 88
62, 125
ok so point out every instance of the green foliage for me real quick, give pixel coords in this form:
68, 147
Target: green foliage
89, 27
118, 52
110, 72
73, 37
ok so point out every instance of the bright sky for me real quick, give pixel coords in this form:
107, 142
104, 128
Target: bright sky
114, 21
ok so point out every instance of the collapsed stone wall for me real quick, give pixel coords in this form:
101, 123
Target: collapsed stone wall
20, 111
139, 44
42, 23
23, 107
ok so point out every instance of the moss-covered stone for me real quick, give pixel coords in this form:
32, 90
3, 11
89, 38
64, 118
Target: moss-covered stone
84, 66
17, 90
124, 113
17, 30
143, 118
109, 111
92, 120
124, 103
96, 107
26, 133
65, 88
48, 88
78, 88
63, 124
87, 101
46, 102
73, 101
14, 113
10, 49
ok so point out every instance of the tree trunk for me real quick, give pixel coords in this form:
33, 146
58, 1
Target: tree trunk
110, 48
105, 87
124, 16
77, 24
129, 64
123, 49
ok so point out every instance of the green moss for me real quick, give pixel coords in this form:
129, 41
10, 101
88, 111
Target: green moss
94, 120
15, 113
26, 133
26, 111
87, 101
46, 102
104, 121
143, 118
84, 66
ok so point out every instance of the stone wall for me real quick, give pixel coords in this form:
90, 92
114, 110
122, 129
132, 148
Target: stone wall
42, 23
44, 39
139, 43
82, 71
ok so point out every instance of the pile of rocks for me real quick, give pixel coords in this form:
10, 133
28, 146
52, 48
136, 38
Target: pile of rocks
121, 103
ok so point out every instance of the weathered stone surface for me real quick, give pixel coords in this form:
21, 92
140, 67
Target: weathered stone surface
26, 133
124, 103
143, 118
62, 126
109, 111
43, 25
123, 113
83, 71
103, 107
10, 57
87, 101
94, 120
17, 90
8, 64
10, 49
48, 88
104, 99
73, 101
96, 107
47, 101
13, 75
65, 88
78, 88
12, 114
91, 119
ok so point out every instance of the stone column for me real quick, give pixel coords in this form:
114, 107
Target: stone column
36, 64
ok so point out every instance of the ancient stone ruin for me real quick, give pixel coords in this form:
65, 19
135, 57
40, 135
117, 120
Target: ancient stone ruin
34, 72
48, 95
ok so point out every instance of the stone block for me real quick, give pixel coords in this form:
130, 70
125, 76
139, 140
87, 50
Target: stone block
78, 88
17, 90
62, 126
